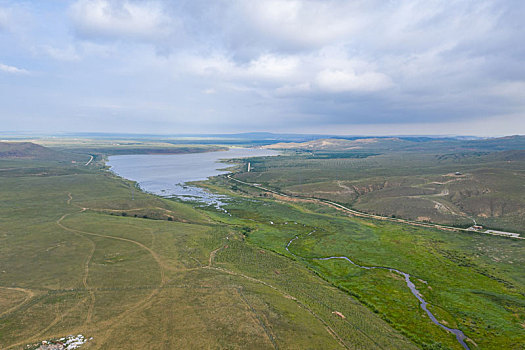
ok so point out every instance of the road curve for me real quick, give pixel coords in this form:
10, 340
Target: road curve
372, 216
89, 161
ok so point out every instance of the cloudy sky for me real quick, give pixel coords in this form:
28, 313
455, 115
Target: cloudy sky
329, 66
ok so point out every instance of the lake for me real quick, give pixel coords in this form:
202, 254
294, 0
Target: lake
166, 175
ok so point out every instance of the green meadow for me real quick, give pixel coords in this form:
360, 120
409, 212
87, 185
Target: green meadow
472, 281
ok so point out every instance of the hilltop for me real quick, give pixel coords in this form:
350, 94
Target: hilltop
28, 150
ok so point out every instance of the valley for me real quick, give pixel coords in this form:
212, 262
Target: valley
81, 253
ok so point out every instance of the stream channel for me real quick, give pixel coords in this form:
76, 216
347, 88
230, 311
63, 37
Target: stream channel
460, 336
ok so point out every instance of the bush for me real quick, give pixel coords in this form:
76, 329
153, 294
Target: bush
435, 346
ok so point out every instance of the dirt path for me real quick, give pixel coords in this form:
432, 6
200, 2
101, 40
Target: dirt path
85, 283
149, 250
212, 255
86, 263
346, 188
329, 329
141, 304
258, 320
214, 252
29, 295
38, 336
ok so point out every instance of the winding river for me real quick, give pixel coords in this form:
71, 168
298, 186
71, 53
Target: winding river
460, 336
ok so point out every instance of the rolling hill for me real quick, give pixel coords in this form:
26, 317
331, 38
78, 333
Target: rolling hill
29, 150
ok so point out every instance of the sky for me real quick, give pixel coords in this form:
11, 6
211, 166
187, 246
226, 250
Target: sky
370, 67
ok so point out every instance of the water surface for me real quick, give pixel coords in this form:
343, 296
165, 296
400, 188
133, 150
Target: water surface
167, 174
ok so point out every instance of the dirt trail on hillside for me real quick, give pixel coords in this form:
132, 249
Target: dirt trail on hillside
141, 304
29, 295
329, 329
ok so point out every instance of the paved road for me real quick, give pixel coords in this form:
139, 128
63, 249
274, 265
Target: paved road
89, 161
379, 217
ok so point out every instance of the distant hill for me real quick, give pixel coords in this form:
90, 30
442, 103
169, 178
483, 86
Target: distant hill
29, 150
514, 155
515, 142
333, 144
445, 145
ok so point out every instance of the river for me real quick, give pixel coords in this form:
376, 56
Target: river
460, 336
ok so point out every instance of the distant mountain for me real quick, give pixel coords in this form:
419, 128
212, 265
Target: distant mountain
29, 150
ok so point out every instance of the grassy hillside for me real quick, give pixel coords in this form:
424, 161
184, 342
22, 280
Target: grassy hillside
472, 281
79, 256
451, 188
418, 144
106, 147
29, 150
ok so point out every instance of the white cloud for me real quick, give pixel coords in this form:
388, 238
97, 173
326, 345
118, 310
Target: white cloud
121, 19
271, 67
341, 81
290, 24
294, 89
263, 68
68, 53
15, 17
4, 18
514, 90
12, 70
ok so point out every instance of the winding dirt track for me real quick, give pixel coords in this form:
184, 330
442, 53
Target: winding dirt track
210, 266
29, 296
86, 263
258, 320
329, 329
137, 306
89, 161
109, 325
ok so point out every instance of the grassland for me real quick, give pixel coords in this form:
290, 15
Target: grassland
419, 186
79, 255
74, 259
473, 281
